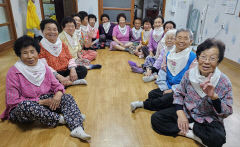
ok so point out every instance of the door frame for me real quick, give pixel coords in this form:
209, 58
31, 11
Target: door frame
163, 9
10, 23
101, 9
42, 10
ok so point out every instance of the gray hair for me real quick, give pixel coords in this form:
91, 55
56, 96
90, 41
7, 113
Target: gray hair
171, 32
186, 30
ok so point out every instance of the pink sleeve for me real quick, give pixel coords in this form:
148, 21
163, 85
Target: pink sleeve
13, 91
150, 48
72, 63
114, 34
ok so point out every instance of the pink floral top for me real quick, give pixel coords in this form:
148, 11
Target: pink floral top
18, 89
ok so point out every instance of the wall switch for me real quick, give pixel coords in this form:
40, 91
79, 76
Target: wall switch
222, 26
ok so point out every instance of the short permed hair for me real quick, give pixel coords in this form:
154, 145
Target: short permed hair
23, 42
160, 18
76, 15
82, 15
66, 20
167, 22
186, 30
171, 32
136, 18
92, 16
46, 21
209, 43
105, 15
147, 19
121, 15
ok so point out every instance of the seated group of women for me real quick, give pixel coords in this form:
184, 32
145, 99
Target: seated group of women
193, 95
35, 85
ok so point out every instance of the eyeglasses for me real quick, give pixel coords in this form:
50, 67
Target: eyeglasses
211, 59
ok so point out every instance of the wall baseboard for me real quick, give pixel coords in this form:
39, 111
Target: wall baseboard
233, 63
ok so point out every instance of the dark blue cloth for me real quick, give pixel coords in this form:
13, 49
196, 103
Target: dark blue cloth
109, 34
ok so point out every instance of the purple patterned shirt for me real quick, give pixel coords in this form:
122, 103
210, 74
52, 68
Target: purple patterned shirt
119, 35
158, 62
152, 44
202, 109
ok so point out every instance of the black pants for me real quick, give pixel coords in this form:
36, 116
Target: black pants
165, 122
81, 72
157, 100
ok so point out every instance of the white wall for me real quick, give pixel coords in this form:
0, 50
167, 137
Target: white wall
215, 17
19, 9
90, 6
177, 11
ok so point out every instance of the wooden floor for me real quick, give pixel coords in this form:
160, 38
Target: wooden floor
106, 103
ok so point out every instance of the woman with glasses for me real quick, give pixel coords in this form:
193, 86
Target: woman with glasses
178, 61
201, 101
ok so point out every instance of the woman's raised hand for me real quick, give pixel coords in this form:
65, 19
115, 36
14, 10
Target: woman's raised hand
207, 87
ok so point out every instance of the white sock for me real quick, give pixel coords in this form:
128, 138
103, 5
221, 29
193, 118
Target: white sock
61, 120
80, 82
135, 105
83, 116
191, 125
191, 135
79, 133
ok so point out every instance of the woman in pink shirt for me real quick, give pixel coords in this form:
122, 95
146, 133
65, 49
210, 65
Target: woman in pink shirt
34, 94
121, 35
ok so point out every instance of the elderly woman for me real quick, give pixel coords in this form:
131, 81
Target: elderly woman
136, 31
179, 60
78, 31
105, 30
69, 37
93, 30
150, 69
121, 35
142, 50
156, 35
201, 102
34, 94
58, 56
